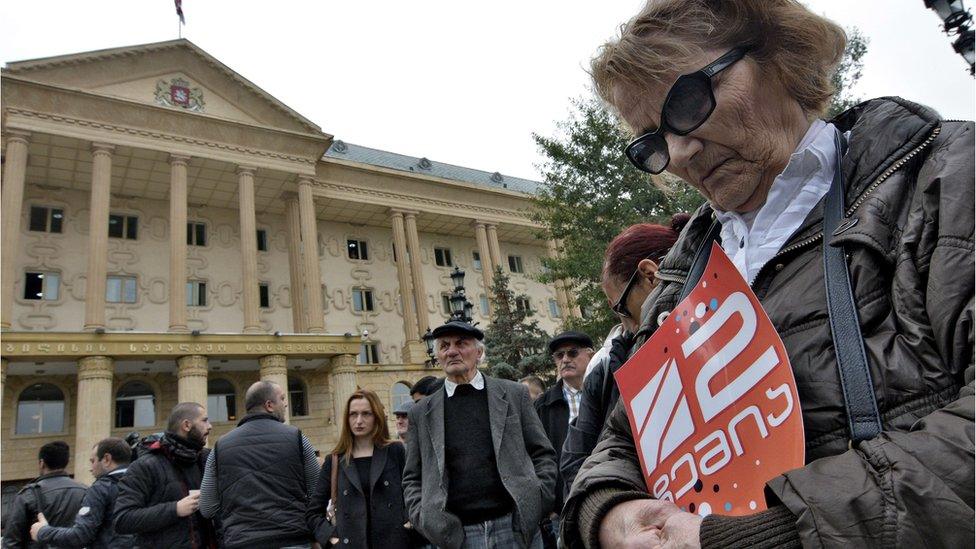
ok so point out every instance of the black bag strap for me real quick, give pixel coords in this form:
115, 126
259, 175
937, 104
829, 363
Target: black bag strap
701, 259
863, 419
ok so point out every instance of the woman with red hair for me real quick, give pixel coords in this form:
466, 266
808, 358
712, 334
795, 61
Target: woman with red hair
630, 272
361, 479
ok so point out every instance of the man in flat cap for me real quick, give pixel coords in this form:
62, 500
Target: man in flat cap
557, 407
402, 421
480, 470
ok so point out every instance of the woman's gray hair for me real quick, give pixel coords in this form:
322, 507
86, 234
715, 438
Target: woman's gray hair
477, 342
786, 39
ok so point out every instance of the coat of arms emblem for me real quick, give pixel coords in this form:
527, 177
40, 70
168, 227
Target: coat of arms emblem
178, 93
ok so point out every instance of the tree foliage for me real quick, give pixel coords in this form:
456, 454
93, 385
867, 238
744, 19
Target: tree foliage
591, 192
515, 343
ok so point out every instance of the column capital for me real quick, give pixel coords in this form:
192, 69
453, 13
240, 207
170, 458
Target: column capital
343, 364
479, 223
242, 169
191, 365
273, 365
306, 179
175, 159
20, 136
403, 212
102, 148
95, 367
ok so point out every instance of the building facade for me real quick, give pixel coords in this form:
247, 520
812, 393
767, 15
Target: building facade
171, 232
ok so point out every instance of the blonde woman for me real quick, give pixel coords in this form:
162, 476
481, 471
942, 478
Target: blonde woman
362, 479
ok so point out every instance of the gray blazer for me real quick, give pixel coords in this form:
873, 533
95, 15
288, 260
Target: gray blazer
526, 463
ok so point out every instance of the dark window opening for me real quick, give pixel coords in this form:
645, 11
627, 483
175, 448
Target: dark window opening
264, 295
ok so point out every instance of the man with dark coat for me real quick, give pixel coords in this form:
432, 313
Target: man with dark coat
480, 470
571, 351
259, 477
160, 493
53, 493
92, 526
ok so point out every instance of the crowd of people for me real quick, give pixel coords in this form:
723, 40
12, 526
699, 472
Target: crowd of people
728, 96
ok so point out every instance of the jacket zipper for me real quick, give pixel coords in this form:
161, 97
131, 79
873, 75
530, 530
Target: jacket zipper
860, 199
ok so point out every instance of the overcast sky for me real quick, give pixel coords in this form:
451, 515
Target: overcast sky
459, 82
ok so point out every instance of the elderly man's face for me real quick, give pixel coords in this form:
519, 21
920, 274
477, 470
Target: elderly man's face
733, 158
402, 425
571, 368
458, 355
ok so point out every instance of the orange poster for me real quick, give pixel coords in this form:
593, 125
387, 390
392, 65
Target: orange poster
712, 401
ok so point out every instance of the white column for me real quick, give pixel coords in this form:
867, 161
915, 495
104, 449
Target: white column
275, 368
191, 376
94, 411
14, 174
310, 255
177, 243
417, 277
249, 249
101, 188
295, 272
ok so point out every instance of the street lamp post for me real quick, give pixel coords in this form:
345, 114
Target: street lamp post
957, 21
461, 311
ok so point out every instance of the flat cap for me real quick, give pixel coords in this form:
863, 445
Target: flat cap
579, 338
458, 327
404, 408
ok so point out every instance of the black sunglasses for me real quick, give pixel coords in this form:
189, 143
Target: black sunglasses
571, 353
689, 103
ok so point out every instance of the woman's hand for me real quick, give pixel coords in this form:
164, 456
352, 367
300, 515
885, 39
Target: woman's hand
648, 523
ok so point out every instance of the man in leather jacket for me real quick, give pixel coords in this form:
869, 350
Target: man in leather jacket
53, 493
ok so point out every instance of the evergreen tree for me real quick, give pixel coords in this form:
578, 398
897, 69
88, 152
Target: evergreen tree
515, 344
591, 192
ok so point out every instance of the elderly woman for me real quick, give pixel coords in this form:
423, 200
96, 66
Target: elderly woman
726, 95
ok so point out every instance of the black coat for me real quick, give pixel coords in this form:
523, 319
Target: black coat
92, 526
147, 503
553, 410
60, 500
599, 396
388, 514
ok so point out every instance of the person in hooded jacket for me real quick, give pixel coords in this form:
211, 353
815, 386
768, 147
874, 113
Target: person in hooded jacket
160, 493
92, 526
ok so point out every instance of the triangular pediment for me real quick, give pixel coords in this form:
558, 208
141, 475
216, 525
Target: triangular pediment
175, 74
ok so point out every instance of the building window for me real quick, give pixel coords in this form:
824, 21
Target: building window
369, 353
522, 305
123, 226
264, 296
196, 293
135, 405
362, 300
262, 240
554, 311
442, 257
40, 409
515, 264
476, 259
357, 249
399, 393
46, 220
446, 304
221, 401
484, 305
44, 286
196, 234
297, 397
120, 289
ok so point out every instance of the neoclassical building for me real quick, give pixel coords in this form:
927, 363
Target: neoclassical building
172, 232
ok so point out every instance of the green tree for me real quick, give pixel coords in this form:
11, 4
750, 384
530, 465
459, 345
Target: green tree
514, 342
591, 192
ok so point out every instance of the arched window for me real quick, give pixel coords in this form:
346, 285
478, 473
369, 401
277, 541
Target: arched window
399, 394
135, 405
40, 409
297, 397
221, 401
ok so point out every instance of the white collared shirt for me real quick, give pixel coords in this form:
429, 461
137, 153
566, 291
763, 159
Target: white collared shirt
572, 397
752, 239
478, 383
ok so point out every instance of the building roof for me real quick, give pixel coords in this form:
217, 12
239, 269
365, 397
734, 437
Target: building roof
357, 153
